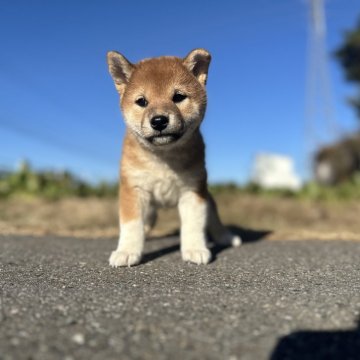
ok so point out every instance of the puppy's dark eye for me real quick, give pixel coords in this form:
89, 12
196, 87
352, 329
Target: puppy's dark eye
141, 101
178, 97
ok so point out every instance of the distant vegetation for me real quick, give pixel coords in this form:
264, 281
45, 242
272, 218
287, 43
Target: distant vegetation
48, 184
347, 190
55, 185
349, 57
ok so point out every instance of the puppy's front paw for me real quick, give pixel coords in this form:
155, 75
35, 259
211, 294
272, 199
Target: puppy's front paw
197, 256
124, 258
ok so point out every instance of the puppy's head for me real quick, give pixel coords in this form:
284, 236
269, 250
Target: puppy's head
163, 99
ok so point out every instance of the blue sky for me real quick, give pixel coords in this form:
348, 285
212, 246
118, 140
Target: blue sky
59, 108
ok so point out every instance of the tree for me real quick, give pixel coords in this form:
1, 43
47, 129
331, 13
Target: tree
349, 57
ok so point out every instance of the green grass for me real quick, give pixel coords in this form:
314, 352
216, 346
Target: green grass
348, 190
50, 185
55, 185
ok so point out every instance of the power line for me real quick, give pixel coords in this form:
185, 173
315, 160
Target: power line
55, 142
18, 74
48, 138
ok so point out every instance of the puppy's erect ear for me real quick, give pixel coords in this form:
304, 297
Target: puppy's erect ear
120, 69
198, 61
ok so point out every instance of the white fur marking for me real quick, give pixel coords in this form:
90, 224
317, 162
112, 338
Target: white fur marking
193, 214
131, 244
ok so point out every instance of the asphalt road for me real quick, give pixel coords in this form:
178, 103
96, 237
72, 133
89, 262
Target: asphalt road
264, 300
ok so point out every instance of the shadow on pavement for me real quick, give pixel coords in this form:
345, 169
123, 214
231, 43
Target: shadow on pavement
316, 345
247, 236
159, 253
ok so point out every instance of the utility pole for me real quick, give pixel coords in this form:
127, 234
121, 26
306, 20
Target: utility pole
320, 120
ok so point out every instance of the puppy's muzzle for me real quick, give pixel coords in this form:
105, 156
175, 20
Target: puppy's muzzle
166, 131
159, 122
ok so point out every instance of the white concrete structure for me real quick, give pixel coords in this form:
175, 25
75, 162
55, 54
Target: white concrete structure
273, 171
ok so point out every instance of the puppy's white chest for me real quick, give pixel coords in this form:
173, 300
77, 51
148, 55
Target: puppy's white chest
166, 190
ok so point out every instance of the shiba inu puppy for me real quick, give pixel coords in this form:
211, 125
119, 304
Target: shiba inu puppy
163, 101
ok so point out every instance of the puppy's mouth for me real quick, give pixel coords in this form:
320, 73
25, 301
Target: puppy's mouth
164, 139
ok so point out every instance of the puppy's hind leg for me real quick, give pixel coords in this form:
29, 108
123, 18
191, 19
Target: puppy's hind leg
218, 232
150, 218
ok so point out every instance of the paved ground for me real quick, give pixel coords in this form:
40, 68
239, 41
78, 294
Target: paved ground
265, 300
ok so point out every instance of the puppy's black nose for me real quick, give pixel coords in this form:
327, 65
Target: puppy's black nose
159, 122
